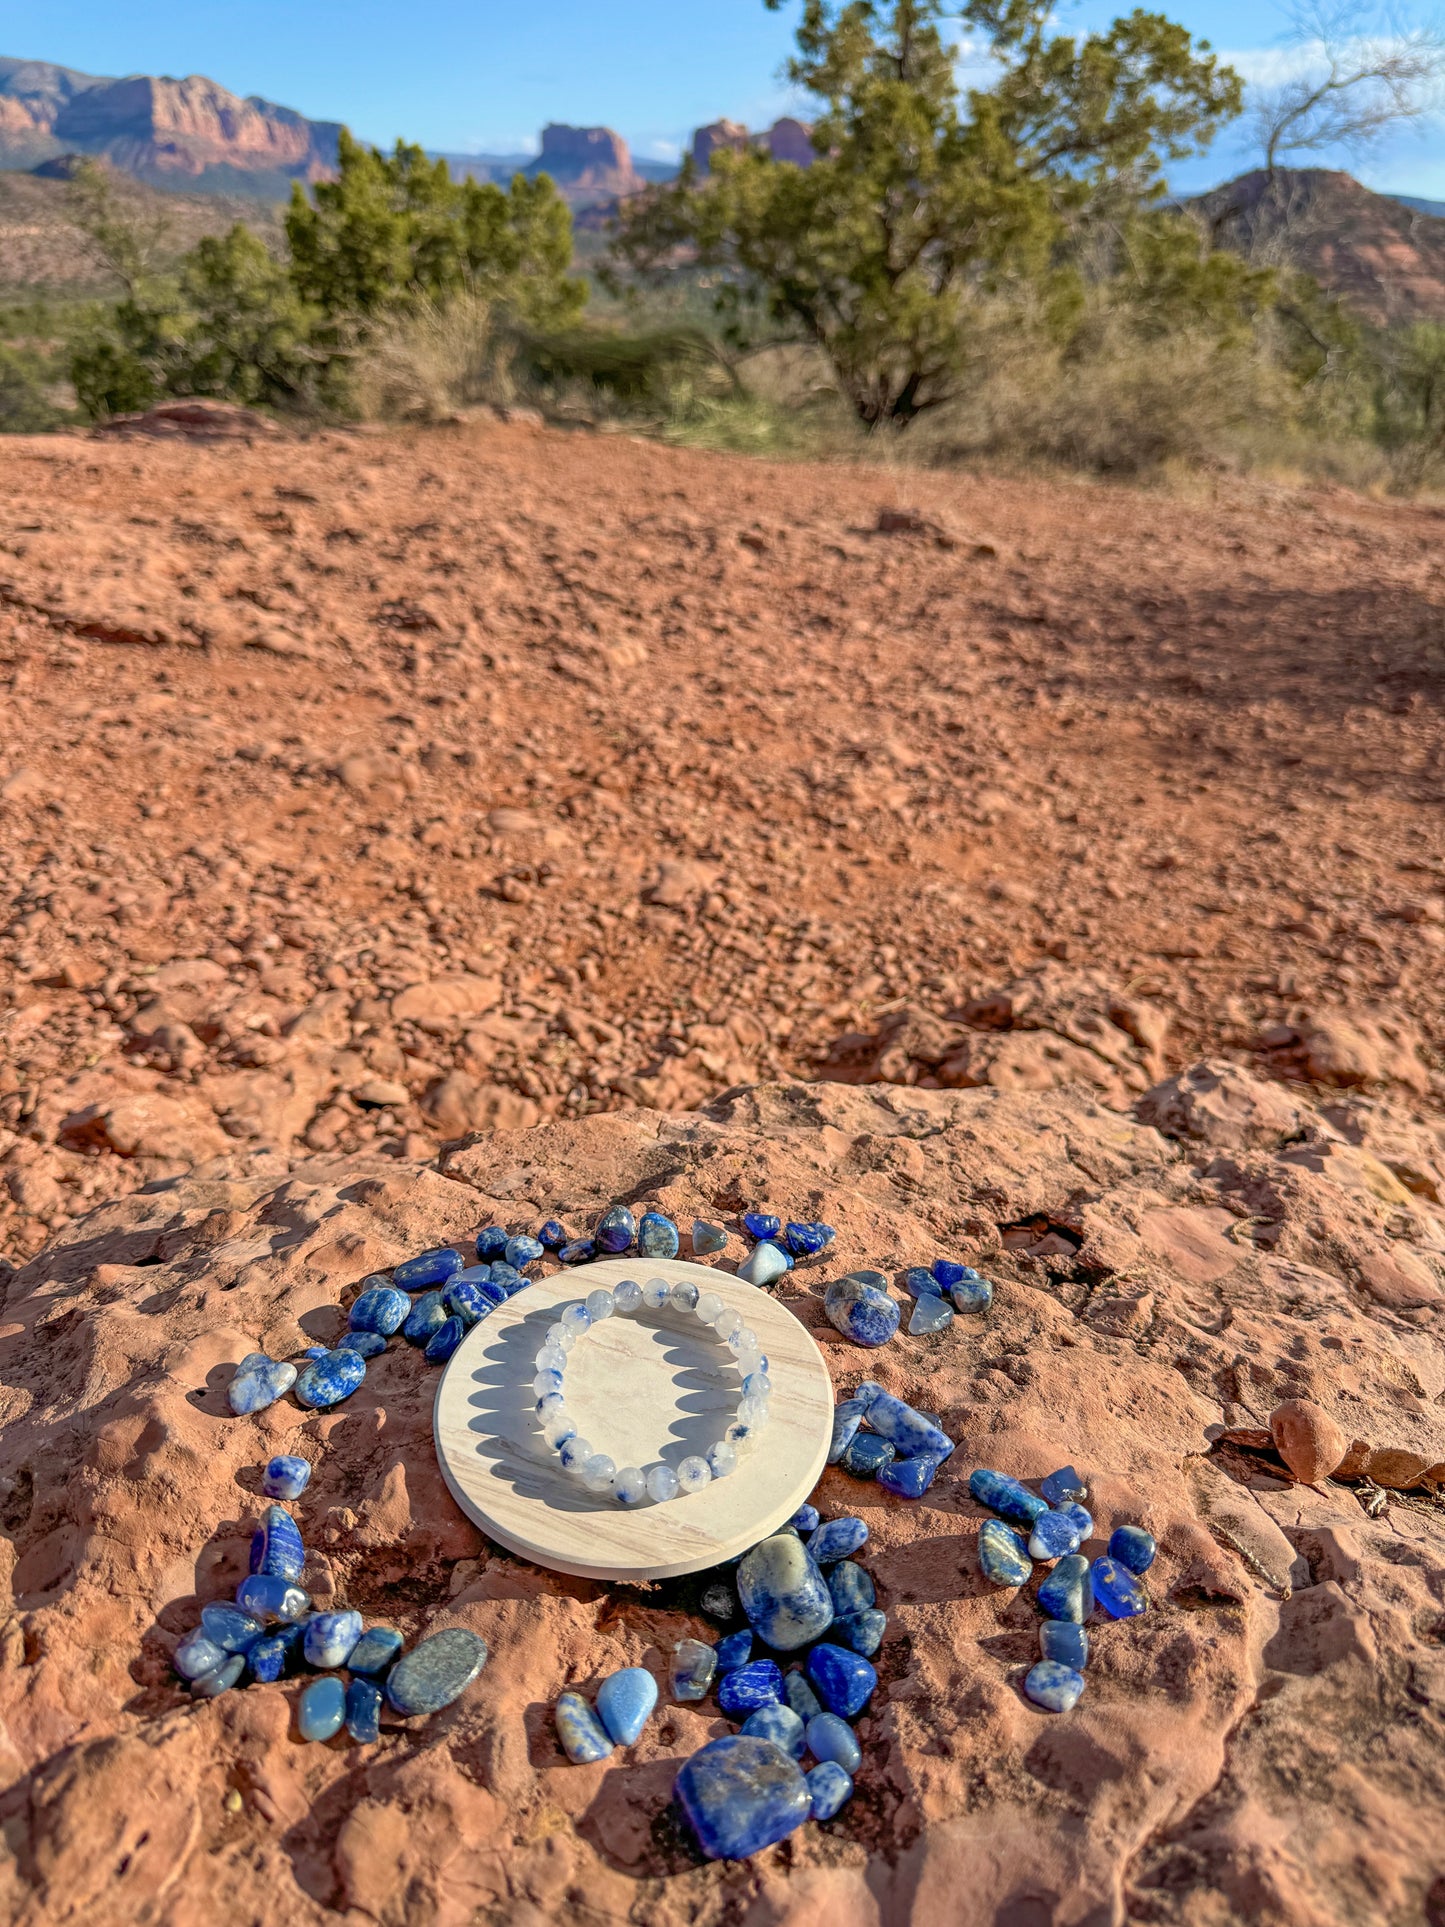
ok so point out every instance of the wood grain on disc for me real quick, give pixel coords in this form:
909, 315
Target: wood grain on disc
651, 1385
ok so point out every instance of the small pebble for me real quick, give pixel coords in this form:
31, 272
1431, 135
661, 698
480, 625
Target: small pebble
436, 1672
322, 1709
1116, 1589
364, 1344
1006, 1496
426, 1318
781, 1725
805, 1519
616, 1229
741, 1794
1063, 1640
1054, 1534
1053, 1686
910, 1478
430, 1268
837, 1540
761, 1224
847, 1417
329, 1379
843, 1680
330, 1638
919, 1282
657, 1236
211, 1685
734, 1651
830, 1738
1002, 1557
1068, 1592
862, 1631
862, 1311
285, 1477
583, 1736
198, 1655
624, 1703
1133, 1547
764, 1265
707, 1238
363, 1711
749, 1687
971, 1294
800, 1695
382, 1309
719, 1602
929, 1315
581, 1251
377, 1647
1062, 1487
523, 1250
231, 1629
851, 1588
693, 1665
276, 1547
259, 1382
491, 1242
829, 1789
444, 1341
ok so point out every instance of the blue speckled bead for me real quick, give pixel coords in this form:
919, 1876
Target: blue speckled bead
436, 1672
1068, 1592
211, 1685
740, 1794
910, 1478
707, 1238
259, 1382
781, 1725
843, 1680
761, 1224
444, 1341
330, 1637
829, 1789
269, 1658
1116, 1589
1063, 1640
329, 1379
928, 1316
276, 1547
863, 1631
491, 1242
693, 1665
427, 1316
1133, 1547
467, 1301
734, 1651
861, 1311
1002, 1557
830, 1738
198, 1655
363, 1711
231, 1629
616, 1230
1006, 1497
269, 1598
285, 1477
1063, 1486
364, 1344
800, 1696
322, 1709
764, 1264
807, 1240
657, 1236
1054, 1687
805, 1519
551, 1235
377, 1647
523, 1250
838, 1539
382, 1309
783, 1592
429, 1269
851, 1588
867, 1456
1053, 1535
919, 1282
748, 1687
910, 1431
847, 1417
583, 1736
625, 1701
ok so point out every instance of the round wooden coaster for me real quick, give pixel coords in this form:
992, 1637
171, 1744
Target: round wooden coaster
649, 1386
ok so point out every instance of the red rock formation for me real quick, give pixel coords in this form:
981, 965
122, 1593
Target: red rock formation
587, 160
791, 140
716, 135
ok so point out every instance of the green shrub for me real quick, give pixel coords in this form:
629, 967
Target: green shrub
25, 408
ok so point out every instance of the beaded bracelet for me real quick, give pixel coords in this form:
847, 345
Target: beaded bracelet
630, 1486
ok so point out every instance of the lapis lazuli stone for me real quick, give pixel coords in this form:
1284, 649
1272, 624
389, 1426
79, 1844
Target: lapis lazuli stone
707, 1238
807, 1240
1133, 1547
231, 1629
851, 1588
912, 1432
863, 1631
469, 1302
285, 1477
929, 1315
741, 1794
364, 1344
829, 1789
1065, 1641
581, 1251
693, 1665
276, 1547
781, 1725
491, 1242
427, 1316
800, 1695
329, 1379
269, 1598
761, 1224
1001, 1555
805, 1519
268, 1659
734, 1651
1053, 1535
783, 1593
198, 1654
1117, 1589
748, 1687
377, 1647
657, 1236
1083, 1520
1068, 1592
259, 1382
861, 1311
330, 1638
429, 1269
919, 1282
1053, 1686
523, 1250
436, 1672
970, 1292
847, 1417
837, 1540
444, 1341
583, 1736
830, 1738
551, 1235
764, 1264
363, 1711
625, 1701
616, 1229
382, 1309
843, 1680
1063, 1486
910, 1478
220, 1680
1006, 1496
321, 1712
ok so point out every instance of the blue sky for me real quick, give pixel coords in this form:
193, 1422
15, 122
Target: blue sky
483, 75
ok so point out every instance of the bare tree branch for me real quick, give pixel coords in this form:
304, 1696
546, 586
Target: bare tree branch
1363, 77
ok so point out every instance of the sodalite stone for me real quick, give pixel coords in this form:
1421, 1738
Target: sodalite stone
1006, 1496
807, 1240
509, 1278
468, 1301
363, 1711
919, 1282
837, 1539
929, 1315
583, 1736
197, 1655
734, 1651
829, 1788
1053, 1686
322, 1710
1133, 1547
861, 1311
847, 1417
435, 1673
863, 1631
1116, 1589
523, 1250
910, 1478
276, 1547
707, 1238
748, 1687
426, 1318
851, 1588
382, 1309
741, 1794
783, 1593
285, 1477
761, 1224
844, 1680
1063, 1486
1066, 1642
428, 1269
330, 1638
972, 1292
912, 1432
211, 1685
764, 1265
230, 1629
625, 1701
1001, 1555
616, 1229
830, 1738
800, 1695
781, 1725
805, 1519
364, 1344
1068, 1592
657, 1236
693, 1666
1083, 1520
551, 1235
269, 1658
377, 1647
581, 1251
259, 1382
870, 1389
491, 1242
329, 1379
444, 1341
1054, 1534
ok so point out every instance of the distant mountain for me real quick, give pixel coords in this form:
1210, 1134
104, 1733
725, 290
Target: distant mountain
1420, 207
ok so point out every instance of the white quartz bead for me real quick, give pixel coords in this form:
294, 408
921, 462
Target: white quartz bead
546, 1382
693, 1475
598, 1473
744, 1339
753, 1411
551, 1358
560, 1334
661, 1484
726, 1322
708, 1307
683, 1295
558, 1430
629, 1487
721, 1459
575, 1454
655, 1293
628, 1295
576, 1318
600, 1304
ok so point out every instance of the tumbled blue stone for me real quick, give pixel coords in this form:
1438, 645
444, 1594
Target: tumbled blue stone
748, 1687
870, 1389
851, 1588
1001, 1555
783, 1593
616, 1229
863, 1631
1060, 1487
1116, 1589
830, 1738
829, 1789
464, 1300
843, 1680
551, 1235
929, 1315
221, 1679
230, 1628
198, 1654
764, 1265
269, 1598
1006, 1496
427, 1316
329, 1379
707, 1238
740, 1794
330, 1638
807, 1240
509, 1278
693, 1665
438, 1671
491, 1241
276, 1547
444, 1341
382, 1309
285, 1477
625, 1701
364, 1344
761, 1224
1053, 1535
363, 1711
734, 1651
657, 1236
912, 1432
583, 1736
259, 1382
800, 1695
805, 1519
1063, 1640
948, 1272
1068, 1592
861, 1311
316, 1351
523, 1250
581, 1251
919, 1282
1133, 1547
1053, 1686
972, 1292
321, 1712
269, 1657
910, 1478
1083, 1520
429, 1269
781, 1725
377, 1647
847, 1417
837, 1540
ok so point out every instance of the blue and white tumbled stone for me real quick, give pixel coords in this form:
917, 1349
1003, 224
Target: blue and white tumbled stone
1053, 1686
1083, 1519
829, 1789
211, 1685
783, 1592
657, 1236
862, 1631
377, 1647
551, 1235
919, 1282
436, 1672
330, 1638
929, 1315
444, 1341
364, 1344
616, 1230
1006, 1497
805, 1519
910, 1478
707, 1238
781, 1725
469, 1301
830, 1738
843, 1680
285, 1477
764, 1265
382, 1309
581, 1251
321, 1712
693, 1665
1063, 1487
851, 1588
866, 1457
847, 1417
800, 1696
1133, 1547
259, 1382
837, 1539
861, 1310
1054, 1534
269, 1658
425, 1319
807, 1240
329, 1379
748, 1687
910, 1431
761, 1224
523, 1250
625, 1701
363, 1711
734, 1651
970, 1293
741, 1794
1068, 1592
1002, 1557
1117, 1589
230, 1629
276, 1547
583, 1736
491, 1242
198, 1655
1065, 1641
428, 1269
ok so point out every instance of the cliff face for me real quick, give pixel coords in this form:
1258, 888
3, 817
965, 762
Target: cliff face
586, 162
786, 140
